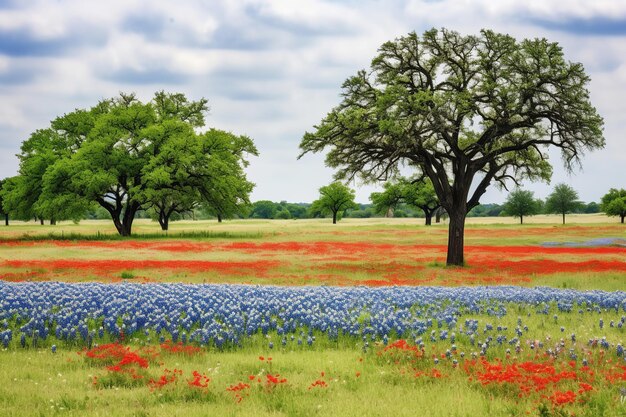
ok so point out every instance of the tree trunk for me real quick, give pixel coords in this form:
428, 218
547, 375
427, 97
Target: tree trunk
41, 222
164, 221
163, 218
563, 217
521, 219
456, 235
438, 216
125, 225
129, 216
118, 225
219, 218
6, 219
623, 215
334, 217
126, 229
429, 219
53, 221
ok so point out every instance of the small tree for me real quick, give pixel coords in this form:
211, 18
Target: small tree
263, 209
388, 200
283, 214
334, 199
439, 213
614, 203
521, 203
421, 194
562, 200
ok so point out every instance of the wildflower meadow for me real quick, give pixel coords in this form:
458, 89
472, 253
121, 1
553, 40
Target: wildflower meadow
333, 322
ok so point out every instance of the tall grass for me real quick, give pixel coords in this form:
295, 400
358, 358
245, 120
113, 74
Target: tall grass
357, 382
98, 236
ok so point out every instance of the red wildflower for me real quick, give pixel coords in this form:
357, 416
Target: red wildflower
560, 398
320, 383
238, 387
168, 377
199, 380
273, 380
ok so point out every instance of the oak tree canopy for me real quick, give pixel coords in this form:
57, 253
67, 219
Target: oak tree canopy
464, 111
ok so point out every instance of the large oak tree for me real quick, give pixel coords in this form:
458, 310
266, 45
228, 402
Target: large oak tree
464, 111
127, 155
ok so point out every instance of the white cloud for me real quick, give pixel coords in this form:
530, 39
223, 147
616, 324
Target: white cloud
273, 69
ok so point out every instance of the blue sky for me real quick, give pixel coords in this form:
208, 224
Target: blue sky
273, 69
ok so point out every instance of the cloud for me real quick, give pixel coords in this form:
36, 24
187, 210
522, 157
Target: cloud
597, 26
151, 25
272, 69
22, 38
156, 76
305, 19
228, 36
241, 93
21, 42
9, 4
16, 75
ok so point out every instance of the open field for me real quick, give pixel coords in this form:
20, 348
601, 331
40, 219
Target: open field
314, 252
353, 326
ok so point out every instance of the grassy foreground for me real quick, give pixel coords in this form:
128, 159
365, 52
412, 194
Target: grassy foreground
335, 378
47, 384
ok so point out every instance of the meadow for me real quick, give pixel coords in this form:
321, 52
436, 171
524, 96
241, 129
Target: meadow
282, 318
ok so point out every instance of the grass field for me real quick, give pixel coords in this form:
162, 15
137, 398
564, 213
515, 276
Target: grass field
504, 356
314, 252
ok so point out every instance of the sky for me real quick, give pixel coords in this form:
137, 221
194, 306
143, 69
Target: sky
273, 69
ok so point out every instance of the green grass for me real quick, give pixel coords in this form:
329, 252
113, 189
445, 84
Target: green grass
46, 384
34, 381
193, 235
397, 230
358, 383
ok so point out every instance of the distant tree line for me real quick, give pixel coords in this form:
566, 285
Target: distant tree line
519, 204
265, 209
613, 203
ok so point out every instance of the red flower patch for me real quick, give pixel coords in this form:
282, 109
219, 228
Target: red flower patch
168, 377
229, 268
199, 380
